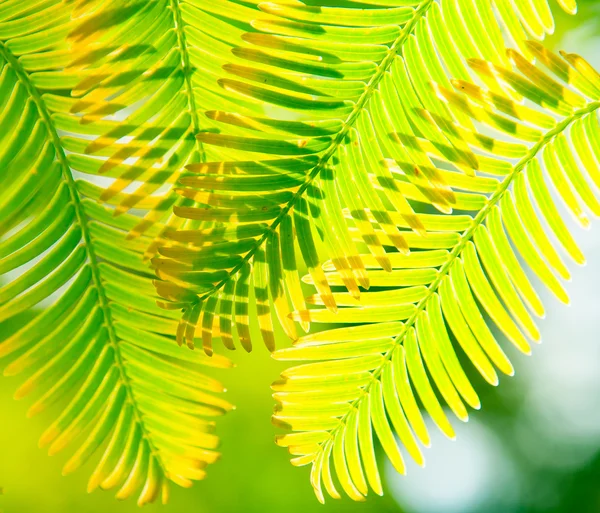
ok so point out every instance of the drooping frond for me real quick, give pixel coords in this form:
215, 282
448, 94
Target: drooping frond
131, 77
313, 96
148, 63
351, 121
398, 346
100, 347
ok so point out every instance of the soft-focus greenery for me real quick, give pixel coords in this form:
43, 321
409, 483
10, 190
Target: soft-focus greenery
253, 474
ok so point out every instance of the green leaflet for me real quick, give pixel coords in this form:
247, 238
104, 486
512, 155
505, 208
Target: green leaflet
101, 348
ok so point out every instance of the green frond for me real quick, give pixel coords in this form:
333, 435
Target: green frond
304, 97
101, 348
398, 346
356, 131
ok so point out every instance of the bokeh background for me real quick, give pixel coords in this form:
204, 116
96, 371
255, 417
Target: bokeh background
534, 446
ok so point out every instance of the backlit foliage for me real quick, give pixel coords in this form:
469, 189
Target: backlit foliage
373, 112
102, 348
380, 179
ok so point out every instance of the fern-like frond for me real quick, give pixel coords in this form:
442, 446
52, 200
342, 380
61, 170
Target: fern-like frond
316, 95
401, 348
351, 119
101, 348
148, 62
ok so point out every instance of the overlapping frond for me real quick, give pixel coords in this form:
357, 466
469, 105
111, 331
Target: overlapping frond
101, 347
146, 69
358, 130
399, 346
315, 93
382, 145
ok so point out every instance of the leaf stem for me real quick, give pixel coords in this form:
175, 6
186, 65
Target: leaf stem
187, 73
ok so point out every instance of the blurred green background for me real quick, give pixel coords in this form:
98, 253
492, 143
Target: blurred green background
534, 447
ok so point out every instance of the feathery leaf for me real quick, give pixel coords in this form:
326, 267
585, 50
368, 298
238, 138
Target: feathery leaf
101, 347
